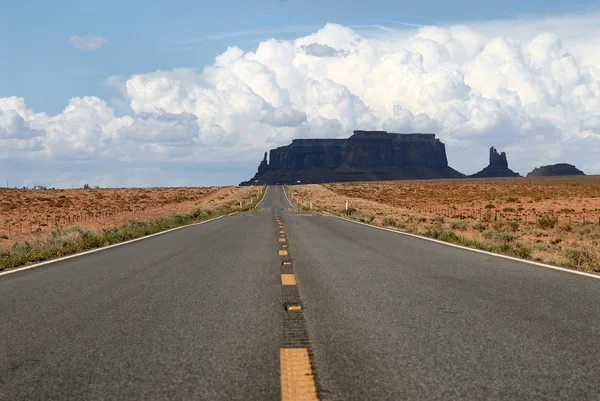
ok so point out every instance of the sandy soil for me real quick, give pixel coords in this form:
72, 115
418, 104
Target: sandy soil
32, 213
521, 199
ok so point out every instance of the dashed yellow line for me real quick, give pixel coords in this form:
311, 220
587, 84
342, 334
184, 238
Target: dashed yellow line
288, 279
281, 239
283, 252
297, 380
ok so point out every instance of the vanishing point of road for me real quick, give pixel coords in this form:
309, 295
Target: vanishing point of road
282, 304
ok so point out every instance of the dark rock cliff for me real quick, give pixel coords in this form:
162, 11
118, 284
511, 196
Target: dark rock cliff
365, 156
498, 167
555, 170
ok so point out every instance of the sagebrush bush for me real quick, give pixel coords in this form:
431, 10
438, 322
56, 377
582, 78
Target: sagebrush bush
546, 220
582, 259
459, 225
349, 211
390, 222
501, 236
479, 226
512, 226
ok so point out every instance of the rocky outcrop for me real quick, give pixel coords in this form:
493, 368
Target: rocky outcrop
498, 167
365, 156
555, 170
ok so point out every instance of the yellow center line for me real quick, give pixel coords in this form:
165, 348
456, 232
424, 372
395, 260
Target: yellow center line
297, 381
288, 279
283, 252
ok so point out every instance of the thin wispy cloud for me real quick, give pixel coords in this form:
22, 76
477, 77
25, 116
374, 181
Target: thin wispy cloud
87, 42
236, 34
402, 23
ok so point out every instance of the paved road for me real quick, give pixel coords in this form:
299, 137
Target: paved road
197, 314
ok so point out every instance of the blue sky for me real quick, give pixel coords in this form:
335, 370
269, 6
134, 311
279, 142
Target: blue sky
40, 65
523, 76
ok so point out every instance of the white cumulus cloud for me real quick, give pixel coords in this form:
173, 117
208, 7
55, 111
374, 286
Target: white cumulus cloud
529, 87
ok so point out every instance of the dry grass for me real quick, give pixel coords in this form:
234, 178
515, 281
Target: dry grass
549, 219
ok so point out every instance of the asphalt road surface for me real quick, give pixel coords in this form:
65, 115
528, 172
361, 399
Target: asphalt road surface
198, 313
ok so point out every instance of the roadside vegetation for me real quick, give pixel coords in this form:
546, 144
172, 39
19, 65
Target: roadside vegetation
571, 243
63, 241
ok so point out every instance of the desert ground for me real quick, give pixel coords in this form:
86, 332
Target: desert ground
548, 219
27, 213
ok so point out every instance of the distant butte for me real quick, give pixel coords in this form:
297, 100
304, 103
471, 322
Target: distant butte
365, 156
498, 167
554, 170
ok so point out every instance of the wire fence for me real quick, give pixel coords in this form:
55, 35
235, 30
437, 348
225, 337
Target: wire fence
508, 214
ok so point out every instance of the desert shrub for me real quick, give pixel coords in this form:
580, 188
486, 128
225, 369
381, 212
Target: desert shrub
500, 236
584, 229
366, 218
509, 210
546, 221
513, 200
490, 206
540, 233
517, 249
459, 225
511, 225
479, 226
417, 219
582, 259
564, 226
348, 212
114, 235
390, 222
438, 232
438, 220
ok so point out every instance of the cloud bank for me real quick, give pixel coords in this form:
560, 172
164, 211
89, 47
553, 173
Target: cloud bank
529, 87
87, 43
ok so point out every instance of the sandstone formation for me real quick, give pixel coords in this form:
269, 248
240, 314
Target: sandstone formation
555, 170
365, 156
498, 166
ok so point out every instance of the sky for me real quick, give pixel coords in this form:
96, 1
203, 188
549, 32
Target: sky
159, 93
